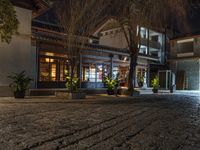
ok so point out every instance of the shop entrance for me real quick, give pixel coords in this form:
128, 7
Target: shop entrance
52, 72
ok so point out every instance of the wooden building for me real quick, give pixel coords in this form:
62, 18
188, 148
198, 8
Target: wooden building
41, 53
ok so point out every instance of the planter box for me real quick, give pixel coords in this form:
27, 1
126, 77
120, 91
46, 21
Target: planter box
19, 95
68, 95
110, 92
155, 90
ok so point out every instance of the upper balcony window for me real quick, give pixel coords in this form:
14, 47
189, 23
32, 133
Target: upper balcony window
144, 33
185, 46
143, 50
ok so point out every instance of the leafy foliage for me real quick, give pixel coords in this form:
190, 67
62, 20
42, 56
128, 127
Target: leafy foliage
155, 82
74, 83
140, 77
8, 21
111, 83
20, 82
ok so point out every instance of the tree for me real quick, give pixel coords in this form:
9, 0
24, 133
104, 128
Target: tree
77, 18
134, 14
8, 21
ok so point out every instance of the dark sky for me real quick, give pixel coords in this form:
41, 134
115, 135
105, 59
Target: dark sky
193, 19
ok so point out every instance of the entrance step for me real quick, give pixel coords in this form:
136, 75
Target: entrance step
141, 90
144, 90
51, 92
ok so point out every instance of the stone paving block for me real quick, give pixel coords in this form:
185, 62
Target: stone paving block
146, 122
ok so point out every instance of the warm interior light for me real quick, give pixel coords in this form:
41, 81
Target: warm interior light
49, 54
49, 60
53, 71
46, 59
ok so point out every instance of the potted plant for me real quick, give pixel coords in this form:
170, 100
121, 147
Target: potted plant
20, 84
140, 80
72, 88
155, 84
110, 84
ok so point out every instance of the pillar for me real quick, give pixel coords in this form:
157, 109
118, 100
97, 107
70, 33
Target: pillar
111, 65
148, 76
96, 67
148, 40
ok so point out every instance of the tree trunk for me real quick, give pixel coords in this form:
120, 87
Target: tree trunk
132, 72
71, 78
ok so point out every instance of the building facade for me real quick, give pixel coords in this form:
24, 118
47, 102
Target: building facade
19, 54
152, 54
39, 50
104, 53
185, 62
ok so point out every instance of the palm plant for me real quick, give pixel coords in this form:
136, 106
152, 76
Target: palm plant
20, 84
111, 84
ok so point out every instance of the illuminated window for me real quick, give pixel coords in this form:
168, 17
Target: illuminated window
53, 72
52, 69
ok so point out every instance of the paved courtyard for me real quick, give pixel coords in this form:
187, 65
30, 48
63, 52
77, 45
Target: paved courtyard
101, 123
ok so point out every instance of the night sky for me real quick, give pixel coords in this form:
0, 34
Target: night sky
193, 19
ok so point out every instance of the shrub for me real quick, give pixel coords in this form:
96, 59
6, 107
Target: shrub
155, 82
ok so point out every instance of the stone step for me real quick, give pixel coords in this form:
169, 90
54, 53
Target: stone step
50, 92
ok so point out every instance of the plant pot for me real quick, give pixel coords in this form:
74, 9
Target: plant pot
70, 96
19, 94
140, 84
155, 90
110, 92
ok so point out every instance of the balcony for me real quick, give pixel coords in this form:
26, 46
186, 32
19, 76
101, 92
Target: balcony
149, 57
152, 44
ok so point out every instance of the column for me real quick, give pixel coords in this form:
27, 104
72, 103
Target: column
145, 79
96, 67
103, 71
37, 59
148, 76
111, 65
148, 40
165, 47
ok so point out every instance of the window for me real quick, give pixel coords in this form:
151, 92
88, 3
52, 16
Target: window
52, 69
99, 73
115, 72
143, 33
93, 73
143, 49
48, 69
186, 47
44, 70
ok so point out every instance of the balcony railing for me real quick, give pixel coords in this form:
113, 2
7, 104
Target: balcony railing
152, 44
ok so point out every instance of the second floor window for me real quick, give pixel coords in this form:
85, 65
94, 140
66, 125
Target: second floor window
185, 47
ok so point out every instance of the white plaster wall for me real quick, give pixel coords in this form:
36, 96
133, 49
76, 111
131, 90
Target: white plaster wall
18, 55
116, 40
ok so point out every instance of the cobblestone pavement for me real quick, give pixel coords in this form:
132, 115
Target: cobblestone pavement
145, 122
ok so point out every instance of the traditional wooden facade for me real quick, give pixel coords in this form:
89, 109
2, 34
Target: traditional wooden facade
96, 61
99, 57
42, 54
